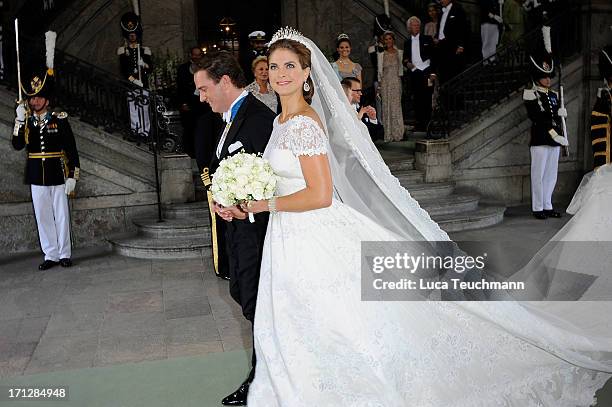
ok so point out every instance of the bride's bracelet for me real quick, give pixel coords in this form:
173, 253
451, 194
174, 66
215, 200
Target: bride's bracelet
272, 205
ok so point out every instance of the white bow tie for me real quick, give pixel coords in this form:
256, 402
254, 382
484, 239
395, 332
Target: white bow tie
227, 116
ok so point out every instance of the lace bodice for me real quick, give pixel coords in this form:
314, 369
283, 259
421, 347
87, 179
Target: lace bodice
298, 136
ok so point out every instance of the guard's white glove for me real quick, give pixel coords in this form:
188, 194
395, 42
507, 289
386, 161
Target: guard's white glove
562, 112
20, 113
70, 185
496, 18
143, 64
138, 82
558, 138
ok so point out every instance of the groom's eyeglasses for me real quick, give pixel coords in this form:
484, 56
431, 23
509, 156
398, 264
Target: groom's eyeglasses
357, 90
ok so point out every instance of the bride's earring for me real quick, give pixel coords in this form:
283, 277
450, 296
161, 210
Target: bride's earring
306, 87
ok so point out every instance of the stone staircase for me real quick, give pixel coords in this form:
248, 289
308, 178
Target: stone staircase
454, 209
185, 231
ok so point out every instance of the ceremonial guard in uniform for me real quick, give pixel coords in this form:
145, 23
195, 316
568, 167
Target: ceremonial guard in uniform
52, 166
257, 42
135, 64
601, 116
547, 136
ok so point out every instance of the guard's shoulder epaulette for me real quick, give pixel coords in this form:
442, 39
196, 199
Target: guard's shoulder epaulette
60, 115
529, 94
600, 91
121, 50
146, 50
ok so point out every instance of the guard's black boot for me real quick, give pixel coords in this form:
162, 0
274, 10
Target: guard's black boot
551, 213
65, 262
539, 215
47, 264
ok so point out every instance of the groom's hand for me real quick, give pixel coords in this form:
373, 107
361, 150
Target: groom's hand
236, 212
223, 212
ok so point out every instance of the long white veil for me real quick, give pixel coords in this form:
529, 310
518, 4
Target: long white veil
578, 332
362, 180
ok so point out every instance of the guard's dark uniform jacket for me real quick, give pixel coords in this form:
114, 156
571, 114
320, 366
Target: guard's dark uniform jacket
52, 153
542, 108
128, 61
601, 116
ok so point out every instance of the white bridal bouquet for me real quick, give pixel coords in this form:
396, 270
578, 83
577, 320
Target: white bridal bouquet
241, 178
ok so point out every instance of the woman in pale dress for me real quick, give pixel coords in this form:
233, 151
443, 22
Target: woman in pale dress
319, 344
260, 87
344, 66
431, 27
390, 72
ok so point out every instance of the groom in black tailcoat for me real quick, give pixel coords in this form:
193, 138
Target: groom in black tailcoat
221, 82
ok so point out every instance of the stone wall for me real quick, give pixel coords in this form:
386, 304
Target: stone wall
90, 29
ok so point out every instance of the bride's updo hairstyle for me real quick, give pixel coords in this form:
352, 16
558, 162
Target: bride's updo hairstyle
303, 55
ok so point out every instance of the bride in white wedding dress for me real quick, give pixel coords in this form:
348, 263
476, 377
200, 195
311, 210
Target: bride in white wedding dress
318, 344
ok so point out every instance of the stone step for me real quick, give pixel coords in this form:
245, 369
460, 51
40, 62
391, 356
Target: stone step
174, 248
408, 177
400, 163
482, 217
171, 228
452, 204
430, 190
190, 210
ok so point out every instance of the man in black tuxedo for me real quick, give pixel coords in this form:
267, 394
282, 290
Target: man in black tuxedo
188, 100
417, 58
367, 114
452, 38
221, 82
201, 127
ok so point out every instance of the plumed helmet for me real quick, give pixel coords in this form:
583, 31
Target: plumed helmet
130, 23
605, 62
541, 62
541, 65
382, 23
39, 83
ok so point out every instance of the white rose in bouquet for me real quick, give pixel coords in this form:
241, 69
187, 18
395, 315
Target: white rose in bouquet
243, 177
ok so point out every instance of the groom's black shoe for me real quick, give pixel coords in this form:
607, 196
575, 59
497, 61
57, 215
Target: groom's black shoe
539, 215
239, 397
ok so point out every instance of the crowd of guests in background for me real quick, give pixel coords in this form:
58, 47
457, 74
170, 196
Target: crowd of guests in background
434, 52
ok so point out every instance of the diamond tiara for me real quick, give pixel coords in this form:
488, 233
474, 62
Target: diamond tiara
288, 33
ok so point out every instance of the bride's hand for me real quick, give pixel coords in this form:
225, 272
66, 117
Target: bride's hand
255, 206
